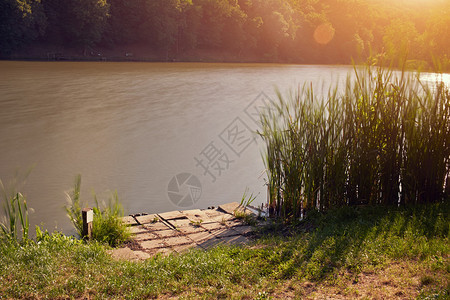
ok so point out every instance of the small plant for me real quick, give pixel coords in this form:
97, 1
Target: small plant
196, 223
246, 201
107, 226
15, 220
73, 207
240, 212
155, 220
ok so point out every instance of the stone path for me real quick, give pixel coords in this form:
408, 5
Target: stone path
177, 231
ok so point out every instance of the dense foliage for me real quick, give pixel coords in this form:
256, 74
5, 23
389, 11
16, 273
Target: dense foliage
383, 138
320, 31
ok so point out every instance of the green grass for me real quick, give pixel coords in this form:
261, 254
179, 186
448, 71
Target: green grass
329, 250
107, 226
382, 139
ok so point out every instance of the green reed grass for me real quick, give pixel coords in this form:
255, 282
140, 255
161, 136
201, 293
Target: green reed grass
383, 139
14, 226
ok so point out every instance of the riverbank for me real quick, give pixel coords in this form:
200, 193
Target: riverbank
365, 252
134, 53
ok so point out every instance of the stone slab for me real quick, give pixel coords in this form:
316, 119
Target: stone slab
166, 233
200, 237
145, 236
230, 207
179, 222
153, 244
156, 226
214, 213
129, 220
128, 254
178, 240
162, 251
207, 244
196, 215
222, 218
235, 240
147, 219
243, 229
171, 215
137, 229
213, 226
183, 248
191, 229
225, 232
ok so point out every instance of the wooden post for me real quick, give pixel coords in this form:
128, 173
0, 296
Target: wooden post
88, 217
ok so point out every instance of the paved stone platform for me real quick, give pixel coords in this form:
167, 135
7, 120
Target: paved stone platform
177, 231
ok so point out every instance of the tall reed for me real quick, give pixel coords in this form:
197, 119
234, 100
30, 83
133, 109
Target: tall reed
383, 139
14, 226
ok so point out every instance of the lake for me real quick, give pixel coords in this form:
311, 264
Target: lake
165, 136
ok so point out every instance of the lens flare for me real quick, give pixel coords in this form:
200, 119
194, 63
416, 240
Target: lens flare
324, 33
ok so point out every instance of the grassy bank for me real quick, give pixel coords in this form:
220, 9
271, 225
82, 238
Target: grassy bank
350, 252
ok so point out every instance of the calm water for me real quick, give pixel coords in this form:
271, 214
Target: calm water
132, 127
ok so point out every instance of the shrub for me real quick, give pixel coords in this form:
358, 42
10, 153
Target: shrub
107, 225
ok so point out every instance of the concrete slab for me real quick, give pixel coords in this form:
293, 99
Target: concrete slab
213, 226
225, 233
129, 220
191, 229
178, 240
196, 215
153, 244
128, 254
207, 244
243, 229
162, 234
200, 237
235, 240
184, 248
214, 213
156, 226
147, 219
177, 223
222, 218
137, 229
160, 251
145, 236
171, 215
178, 231
229, 207
235, 222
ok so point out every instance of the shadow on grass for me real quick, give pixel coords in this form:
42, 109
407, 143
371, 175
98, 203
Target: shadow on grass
353, 237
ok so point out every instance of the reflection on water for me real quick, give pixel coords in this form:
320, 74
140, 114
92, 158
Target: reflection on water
134, 126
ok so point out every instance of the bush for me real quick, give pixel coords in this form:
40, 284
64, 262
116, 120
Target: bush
107, 226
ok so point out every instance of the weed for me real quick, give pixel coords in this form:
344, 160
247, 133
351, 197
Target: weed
197, 223
107, 226
15, 213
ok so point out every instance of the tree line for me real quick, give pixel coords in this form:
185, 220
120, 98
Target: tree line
301, 31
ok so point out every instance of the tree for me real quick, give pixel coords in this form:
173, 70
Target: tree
76, 22
21, 22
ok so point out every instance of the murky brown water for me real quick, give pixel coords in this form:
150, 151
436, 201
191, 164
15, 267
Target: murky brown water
132, 127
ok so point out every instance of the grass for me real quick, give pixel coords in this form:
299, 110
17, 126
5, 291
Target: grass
15, 224
383, 139
352, 252
107, 226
